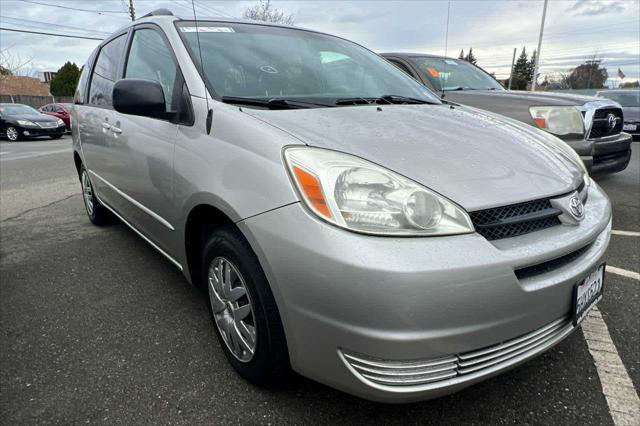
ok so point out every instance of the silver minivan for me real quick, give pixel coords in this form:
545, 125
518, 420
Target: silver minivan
344, 222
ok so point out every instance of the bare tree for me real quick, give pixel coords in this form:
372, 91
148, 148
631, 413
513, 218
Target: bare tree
264, 11
11, 64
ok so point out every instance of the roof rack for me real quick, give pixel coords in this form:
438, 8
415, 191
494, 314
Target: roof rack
158, 12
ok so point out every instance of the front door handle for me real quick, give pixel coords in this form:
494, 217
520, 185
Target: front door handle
116, 130
106, 126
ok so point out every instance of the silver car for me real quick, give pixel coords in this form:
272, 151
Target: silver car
343, 221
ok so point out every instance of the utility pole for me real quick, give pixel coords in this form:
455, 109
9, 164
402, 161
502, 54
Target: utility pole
535, 68
132, 11
513, 61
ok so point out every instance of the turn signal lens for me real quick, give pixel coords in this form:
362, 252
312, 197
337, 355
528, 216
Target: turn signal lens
541, 122
312, 191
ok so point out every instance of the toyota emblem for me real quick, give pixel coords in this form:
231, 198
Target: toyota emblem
612, 120
576, 207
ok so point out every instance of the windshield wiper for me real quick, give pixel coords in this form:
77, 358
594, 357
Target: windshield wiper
456, 88
273, 103
384, 99
397, 99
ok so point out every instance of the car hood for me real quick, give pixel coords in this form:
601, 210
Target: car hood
33, 117
475, 158
530, 98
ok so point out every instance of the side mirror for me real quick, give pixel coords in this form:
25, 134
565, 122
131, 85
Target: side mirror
140, 97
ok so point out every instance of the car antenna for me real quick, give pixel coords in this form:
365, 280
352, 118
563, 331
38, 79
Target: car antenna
206, 96
446, 45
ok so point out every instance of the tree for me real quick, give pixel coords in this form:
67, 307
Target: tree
461, 56
470, 58
264, 11
11, 64
630, 84
521, 74
589, 75
65, 81
532, 65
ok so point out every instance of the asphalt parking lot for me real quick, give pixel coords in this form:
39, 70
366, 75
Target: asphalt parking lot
96, 327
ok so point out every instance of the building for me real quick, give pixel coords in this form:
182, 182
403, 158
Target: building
46, 76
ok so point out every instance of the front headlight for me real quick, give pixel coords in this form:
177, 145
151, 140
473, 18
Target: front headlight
60, 122
355, 194
559, 120
25, 123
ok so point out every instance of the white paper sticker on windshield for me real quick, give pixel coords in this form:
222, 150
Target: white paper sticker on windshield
207, 29
451, 62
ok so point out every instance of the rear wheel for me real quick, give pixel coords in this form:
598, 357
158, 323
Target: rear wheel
12, 134
243, 310
98, 214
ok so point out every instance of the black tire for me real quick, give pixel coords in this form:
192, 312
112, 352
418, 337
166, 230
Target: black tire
55, 136
98, 214
12, 134
269, 366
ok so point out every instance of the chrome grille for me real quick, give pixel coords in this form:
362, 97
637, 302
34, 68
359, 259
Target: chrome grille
515, 219
454, 367
600, 126
47, 124
403, 372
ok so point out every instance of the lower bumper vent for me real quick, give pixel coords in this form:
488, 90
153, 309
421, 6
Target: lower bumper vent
421, 372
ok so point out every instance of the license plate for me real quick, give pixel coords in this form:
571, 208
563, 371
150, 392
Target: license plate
587, 293
629, 127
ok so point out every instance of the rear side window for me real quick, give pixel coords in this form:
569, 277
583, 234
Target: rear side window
105, 72
150, 59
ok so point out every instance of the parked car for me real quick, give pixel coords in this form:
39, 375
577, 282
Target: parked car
629, 99
342, 220
19, 121
59, 110
592, 126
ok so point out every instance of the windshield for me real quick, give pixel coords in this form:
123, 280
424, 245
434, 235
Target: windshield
625, 99
264, 62
454, 74
17, 110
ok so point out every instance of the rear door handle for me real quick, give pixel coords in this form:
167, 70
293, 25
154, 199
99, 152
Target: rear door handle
106, 126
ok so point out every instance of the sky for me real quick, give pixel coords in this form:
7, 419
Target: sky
575, 30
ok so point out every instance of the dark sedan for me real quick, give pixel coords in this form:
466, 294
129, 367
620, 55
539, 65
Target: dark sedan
19, 121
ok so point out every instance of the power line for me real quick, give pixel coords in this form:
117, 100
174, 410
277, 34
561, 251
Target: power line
50, 34
22, 20
73, 8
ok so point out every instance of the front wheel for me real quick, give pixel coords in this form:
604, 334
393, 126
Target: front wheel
243, 310
98, 214
12, 134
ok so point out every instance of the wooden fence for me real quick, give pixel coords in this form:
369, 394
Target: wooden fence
34, 101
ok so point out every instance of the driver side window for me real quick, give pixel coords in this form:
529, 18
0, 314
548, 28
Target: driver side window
151, 59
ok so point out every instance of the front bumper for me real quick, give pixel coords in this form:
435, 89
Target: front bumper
31, 132
413, 299
611, 154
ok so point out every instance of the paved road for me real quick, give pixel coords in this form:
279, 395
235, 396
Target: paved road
96, 327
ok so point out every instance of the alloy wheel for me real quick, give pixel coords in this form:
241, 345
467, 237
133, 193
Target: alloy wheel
232, 308
87, 192
12, 134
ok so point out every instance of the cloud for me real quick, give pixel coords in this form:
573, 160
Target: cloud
596, 7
